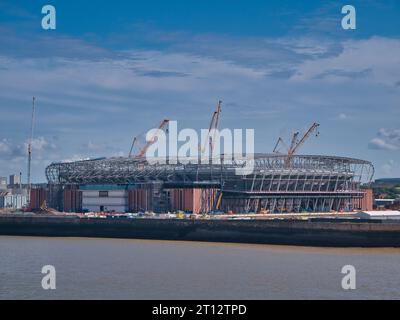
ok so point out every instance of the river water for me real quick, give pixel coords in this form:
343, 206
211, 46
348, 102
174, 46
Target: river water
149, 269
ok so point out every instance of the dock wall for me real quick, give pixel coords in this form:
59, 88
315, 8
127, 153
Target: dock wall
288, 232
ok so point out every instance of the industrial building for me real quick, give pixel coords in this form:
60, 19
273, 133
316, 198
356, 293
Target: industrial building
12, 201
104, 198
3, 183
13, 197
379, 215
15, 180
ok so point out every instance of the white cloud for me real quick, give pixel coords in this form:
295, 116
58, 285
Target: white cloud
41, 145
11, 151
4, 146
14, 156
41, 148
375, 59
92, 146
387, 139
75, 157
388, 167
265, 84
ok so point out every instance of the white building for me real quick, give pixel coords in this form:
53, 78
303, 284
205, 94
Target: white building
15, 180
103, 199
12, 201
3, 183
380, 215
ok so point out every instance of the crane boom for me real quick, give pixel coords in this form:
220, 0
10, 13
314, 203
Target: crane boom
144, 149
297, 145
280, 141
132, 146
212, 129
294, 141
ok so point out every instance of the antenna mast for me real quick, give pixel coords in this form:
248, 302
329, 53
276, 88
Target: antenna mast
30, 150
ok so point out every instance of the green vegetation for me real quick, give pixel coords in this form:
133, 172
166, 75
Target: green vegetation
386, 192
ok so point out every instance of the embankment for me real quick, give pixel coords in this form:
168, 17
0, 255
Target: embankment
288, 232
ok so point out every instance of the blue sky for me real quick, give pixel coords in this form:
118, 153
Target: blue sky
115, 68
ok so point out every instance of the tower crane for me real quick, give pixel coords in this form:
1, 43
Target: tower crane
143, 149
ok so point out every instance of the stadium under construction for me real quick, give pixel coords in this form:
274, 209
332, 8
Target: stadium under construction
281, 182
311, 184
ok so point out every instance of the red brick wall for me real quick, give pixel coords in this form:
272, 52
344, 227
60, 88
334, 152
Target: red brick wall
193, 200
366, 202
72, 200
37, 197
139, 199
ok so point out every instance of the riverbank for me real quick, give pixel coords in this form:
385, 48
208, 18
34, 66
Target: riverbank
341, 233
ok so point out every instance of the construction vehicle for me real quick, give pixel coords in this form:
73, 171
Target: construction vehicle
218, 199
180, 214
43, 206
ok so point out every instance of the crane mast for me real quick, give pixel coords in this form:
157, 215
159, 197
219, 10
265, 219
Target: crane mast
30, 150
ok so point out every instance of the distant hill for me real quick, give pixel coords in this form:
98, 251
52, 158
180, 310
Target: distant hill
387, 181
388, 188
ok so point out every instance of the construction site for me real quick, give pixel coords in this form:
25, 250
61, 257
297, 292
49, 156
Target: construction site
282, 181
